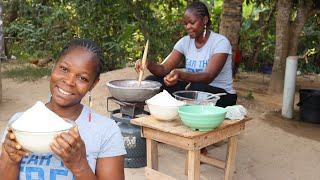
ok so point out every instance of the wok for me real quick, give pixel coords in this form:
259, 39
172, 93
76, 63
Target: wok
127, 90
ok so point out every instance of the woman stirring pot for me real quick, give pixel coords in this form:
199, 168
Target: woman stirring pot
208, 59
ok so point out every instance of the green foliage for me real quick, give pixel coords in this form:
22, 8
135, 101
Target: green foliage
249, 96
215, 12
121, 28
250, 32
40, 29
27, 73
247, 10
309, 47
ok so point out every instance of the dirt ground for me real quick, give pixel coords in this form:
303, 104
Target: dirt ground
270, 148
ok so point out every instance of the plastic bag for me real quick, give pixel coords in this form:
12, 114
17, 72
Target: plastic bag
236, 112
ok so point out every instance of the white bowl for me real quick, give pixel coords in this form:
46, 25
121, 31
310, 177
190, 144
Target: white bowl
164, 113
37, 142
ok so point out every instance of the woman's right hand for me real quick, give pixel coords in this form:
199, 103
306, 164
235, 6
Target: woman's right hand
138, 65
14, 150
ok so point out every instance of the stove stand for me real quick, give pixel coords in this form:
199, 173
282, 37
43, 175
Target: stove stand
135, 145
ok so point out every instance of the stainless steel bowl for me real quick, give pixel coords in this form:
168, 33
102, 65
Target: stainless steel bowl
127, 90
197, 97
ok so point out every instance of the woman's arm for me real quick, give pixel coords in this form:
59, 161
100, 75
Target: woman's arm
106, 168
72, 152
110, 168
161, 70
169, 63
8, 168
214, 67
10, 158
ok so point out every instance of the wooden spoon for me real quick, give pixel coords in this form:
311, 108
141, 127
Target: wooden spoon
143, 63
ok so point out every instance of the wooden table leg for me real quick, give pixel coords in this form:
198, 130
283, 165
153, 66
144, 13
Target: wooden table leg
231, 158
186, 164
152, 154
194, 165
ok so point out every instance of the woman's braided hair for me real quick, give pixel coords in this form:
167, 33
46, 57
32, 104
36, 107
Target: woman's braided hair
91, 47
200, 10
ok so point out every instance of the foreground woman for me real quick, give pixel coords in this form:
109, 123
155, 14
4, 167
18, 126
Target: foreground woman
92, 150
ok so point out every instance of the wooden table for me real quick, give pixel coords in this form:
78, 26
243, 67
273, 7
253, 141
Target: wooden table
175, 133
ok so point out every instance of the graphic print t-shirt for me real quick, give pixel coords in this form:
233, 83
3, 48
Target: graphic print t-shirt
197, 59
101, 136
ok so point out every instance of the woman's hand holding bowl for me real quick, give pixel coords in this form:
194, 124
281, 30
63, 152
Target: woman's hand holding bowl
14, 150
71, 149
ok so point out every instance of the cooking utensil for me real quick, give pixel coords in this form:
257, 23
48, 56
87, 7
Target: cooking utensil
218, 94
143, 63
127, 90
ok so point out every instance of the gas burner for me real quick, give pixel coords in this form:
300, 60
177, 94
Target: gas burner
128, 109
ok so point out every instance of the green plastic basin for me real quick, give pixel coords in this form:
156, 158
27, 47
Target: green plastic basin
202, 118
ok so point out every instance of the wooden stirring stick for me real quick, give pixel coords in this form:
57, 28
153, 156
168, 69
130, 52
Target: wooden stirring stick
143, 63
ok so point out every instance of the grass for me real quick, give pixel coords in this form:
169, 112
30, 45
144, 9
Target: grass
249, 96
27, 73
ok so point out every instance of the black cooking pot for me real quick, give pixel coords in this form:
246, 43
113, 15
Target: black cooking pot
309, 105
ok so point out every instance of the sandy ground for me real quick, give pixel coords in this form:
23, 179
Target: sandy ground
270, 148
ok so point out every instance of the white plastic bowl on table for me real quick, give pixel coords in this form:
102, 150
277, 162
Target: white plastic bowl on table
37, 142
163, 112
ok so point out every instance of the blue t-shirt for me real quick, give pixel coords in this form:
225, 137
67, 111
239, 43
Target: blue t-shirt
101, 136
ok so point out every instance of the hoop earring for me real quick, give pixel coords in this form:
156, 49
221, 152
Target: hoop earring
90, 105
205, 31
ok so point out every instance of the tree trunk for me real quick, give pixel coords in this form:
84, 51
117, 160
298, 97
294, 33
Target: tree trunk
231, 22
282, 44
304, 10
12, 11
2, 54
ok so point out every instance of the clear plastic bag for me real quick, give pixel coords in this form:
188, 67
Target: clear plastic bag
236, 112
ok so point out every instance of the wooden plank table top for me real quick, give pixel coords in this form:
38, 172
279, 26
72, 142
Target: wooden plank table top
178, 128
